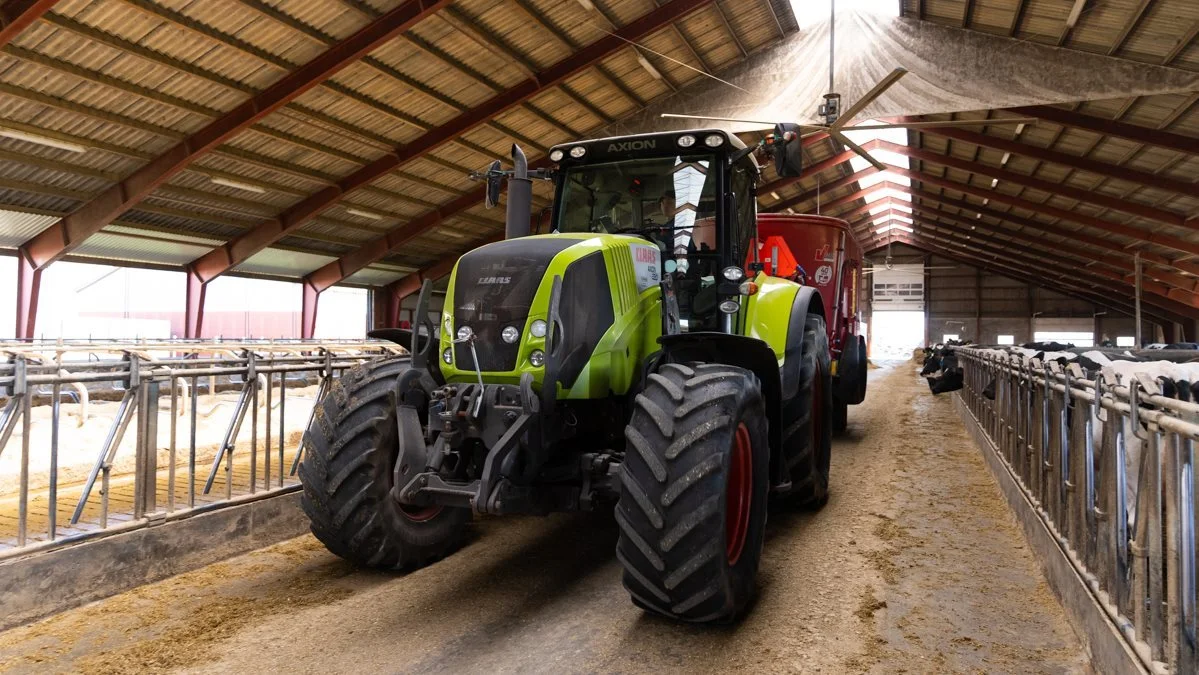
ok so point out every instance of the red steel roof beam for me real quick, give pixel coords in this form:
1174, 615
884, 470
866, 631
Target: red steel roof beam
1064, 214
1038, 267
1152, 258
1099, 125
1021, 271
1046, 258
58, 240
237, 251
1049, 187
1065, 159
1119, 261
17, 15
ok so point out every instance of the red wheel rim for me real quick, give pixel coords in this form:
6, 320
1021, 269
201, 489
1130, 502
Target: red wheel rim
739, 494
419, 514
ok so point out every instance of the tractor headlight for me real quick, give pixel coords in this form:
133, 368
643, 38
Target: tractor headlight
537, 358
733, 273
538, 328
510, 334
556, 156
448, 355
714, 141
730, 306
686, 141
578, 151
465, 333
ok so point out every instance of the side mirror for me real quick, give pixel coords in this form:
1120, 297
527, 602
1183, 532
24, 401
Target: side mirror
788, 150
494, 179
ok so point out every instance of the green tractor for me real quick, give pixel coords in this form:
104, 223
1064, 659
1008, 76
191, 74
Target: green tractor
639, 354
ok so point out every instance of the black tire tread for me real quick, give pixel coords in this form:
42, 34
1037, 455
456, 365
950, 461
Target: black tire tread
670, 514
348, 453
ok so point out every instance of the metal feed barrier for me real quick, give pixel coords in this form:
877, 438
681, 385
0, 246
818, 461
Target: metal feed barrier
1110, 469
146, 377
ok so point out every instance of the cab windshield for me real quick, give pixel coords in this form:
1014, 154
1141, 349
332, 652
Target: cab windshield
672, 199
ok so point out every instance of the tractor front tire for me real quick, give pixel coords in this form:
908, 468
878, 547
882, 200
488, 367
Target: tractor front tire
810, 475
349, 452
692, 509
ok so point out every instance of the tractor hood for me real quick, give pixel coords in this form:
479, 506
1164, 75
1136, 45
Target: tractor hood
494, 287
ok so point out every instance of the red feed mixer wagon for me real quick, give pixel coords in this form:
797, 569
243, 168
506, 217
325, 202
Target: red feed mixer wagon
823, 252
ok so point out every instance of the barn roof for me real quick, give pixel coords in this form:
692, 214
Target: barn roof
332, 140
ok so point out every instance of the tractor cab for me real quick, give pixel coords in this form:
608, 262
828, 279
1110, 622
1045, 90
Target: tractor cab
691, 193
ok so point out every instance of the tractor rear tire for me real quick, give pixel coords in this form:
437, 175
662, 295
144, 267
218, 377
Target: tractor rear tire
349, 452
810, 475
692, 509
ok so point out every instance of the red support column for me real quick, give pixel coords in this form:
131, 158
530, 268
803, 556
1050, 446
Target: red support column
193, 313
29, 282
308, 310
394, 302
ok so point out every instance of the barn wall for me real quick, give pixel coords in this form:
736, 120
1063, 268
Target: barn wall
980, 306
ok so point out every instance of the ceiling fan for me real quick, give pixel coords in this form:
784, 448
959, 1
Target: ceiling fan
836, 121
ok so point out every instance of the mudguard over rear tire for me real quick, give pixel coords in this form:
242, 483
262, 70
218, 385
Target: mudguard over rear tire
692, 509
349, 453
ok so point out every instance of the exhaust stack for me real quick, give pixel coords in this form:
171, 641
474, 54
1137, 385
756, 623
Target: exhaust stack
520, 197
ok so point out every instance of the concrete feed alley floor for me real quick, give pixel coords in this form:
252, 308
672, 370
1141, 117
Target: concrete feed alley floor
914, 566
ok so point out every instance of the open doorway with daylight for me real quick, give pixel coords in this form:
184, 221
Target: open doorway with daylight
897, 311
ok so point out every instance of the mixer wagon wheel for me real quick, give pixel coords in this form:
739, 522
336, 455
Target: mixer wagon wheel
810, 475
692, 510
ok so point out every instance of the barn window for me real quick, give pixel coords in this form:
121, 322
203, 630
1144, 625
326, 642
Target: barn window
1006, 340
949, 336
1126, 341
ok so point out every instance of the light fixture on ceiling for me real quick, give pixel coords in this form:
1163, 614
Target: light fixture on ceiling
41, 140
775, 195
587, 5
994, 182
985, 202
452, 234
649, 67
237, 185
1006, 157
364, 214
1019, 129
791, 211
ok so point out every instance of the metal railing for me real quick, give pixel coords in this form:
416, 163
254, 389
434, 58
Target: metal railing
1110, 468
141, 446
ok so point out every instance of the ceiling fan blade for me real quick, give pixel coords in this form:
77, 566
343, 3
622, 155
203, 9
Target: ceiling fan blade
858, 149
947, 123
882, 86
769, 125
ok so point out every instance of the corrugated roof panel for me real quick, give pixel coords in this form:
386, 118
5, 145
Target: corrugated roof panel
17, 227
371, 276
126, 246
279, 262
